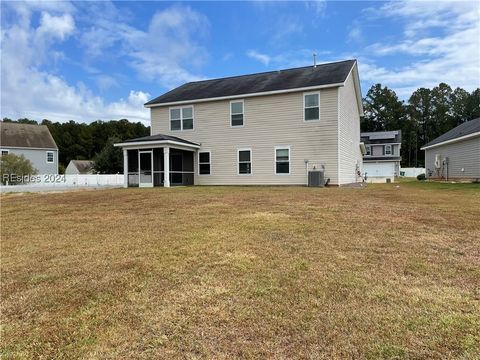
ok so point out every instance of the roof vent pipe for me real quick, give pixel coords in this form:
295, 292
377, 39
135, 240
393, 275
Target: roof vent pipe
314, 60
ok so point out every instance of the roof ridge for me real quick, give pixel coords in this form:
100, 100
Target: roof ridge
269, 72
18, 123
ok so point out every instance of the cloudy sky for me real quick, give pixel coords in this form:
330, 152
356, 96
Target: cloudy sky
102, 60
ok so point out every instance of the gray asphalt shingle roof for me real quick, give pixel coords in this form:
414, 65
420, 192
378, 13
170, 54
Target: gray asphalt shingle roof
379, 137
323, 74
160, 137
26, 136
83, 166
467, 128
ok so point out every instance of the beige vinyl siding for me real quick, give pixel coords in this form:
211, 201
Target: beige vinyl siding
269, 121
349, 133
462, 154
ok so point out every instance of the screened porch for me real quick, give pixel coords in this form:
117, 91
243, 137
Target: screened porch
158, 160
146, 167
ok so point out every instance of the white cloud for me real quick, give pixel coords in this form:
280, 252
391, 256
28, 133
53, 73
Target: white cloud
440, 42
263, 58
355, 33
293, 58
285, 28
29, 91
423, 16
168, 52
106, 82
38, 95
55, 26
318, 7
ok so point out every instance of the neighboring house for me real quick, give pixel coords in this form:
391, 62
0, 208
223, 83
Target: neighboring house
80, 167
381, 162
455, 154
268, 128
34, 142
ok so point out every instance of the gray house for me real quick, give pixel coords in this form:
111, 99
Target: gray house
268, 128
34, 142
455, 154
381, 161
80, 167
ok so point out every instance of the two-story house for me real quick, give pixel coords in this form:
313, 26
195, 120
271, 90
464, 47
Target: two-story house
267, 128
32, 141
381, 161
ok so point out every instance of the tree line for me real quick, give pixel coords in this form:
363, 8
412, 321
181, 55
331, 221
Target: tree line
93, 141
427, 114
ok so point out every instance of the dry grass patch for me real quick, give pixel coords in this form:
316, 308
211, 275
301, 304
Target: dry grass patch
243, 272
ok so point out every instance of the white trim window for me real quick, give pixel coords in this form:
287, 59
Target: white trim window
4, 152
181, 118
236, 113
282, 160
50, 157
204, 161
311, 106
368, 150
244, 160
387, 150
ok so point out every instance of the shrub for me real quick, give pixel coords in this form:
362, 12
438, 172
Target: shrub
421, 177
14, 167
110, 159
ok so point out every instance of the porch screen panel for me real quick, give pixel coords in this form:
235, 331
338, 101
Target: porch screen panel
157, 166
132, 176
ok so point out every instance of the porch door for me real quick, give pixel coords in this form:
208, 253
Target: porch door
145, 167
176, 169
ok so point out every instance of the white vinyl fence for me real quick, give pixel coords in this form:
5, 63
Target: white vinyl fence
411, 172
94, 180
61, 182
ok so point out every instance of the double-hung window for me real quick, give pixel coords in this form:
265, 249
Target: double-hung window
311, 104
204, 163
49, 156
282, 160
244, 161
236, 113
388, 150
181, 118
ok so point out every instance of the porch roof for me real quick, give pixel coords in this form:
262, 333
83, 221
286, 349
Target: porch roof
158, 140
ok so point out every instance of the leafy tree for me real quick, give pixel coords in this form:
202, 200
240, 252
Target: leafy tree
27, 121
473, 105
421, 116
427, 114
442, 110
110, 159
83, 141
459, 106
383, 110
13, 167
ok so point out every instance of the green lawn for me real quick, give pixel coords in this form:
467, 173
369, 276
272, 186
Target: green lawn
388, 271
